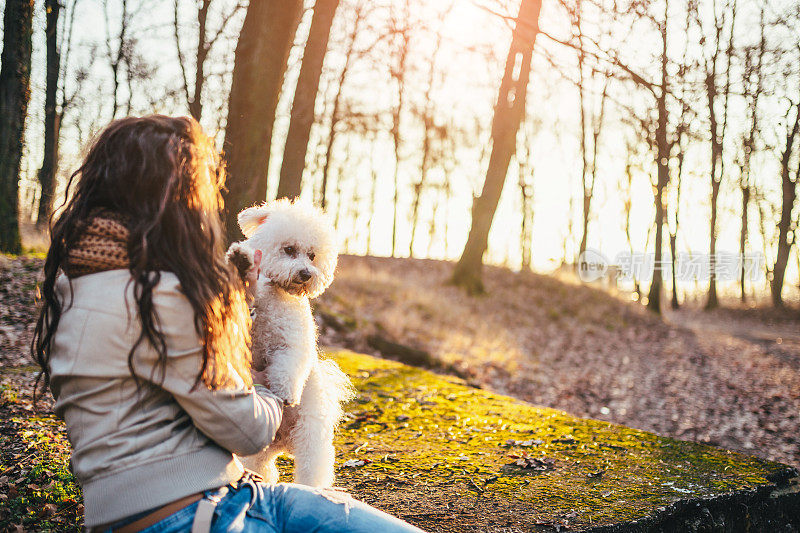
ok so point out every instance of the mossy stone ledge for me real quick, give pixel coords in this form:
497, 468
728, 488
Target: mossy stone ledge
448, 457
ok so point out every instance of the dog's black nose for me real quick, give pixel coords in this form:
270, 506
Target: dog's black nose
304, 275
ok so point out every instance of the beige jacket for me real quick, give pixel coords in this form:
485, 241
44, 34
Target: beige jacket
137, 450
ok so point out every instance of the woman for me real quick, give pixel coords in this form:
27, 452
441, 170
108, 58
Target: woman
143, 340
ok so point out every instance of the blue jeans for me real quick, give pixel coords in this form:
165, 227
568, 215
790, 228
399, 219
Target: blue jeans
253, 506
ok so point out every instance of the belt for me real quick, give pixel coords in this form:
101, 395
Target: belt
159, 514
202, 516
205, 511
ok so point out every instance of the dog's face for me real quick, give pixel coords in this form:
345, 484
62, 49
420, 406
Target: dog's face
297, 242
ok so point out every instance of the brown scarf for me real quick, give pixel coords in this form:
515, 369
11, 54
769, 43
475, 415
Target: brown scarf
103, 245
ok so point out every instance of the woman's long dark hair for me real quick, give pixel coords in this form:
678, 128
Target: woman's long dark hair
163, 176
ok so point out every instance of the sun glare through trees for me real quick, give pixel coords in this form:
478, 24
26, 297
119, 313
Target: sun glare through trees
658, 134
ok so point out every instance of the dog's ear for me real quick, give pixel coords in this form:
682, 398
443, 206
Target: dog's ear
251, 218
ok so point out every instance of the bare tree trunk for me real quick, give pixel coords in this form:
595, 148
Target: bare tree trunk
627, 205
743, 240
760, 200
15, 72
681, 133
305, 97
673, 233
116, 57
428, 126
526, 190
336, 112
52, 118
260, 64
751, 69
588, 189
716, 179
508, 113
662, 162
448, 196
373, 198
205, 42
674, 303
717, 138
788, 196
399, 74
586, 193
437, 201
712, 301
196, 102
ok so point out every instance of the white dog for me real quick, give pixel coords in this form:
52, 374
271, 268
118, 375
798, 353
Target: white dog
298, 260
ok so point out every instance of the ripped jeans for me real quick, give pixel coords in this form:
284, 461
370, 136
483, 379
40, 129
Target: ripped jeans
253, 506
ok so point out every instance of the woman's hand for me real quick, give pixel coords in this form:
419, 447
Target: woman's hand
251, 278
259, 376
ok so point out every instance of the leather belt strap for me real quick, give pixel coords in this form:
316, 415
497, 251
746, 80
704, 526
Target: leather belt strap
159, 514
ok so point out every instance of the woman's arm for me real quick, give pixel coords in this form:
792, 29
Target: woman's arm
236, 418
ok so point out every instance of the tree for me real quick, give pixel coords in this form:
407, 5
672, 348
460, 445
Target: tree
717, 124
429, 129
674, 220
259, 66
305, 97
682, 132
336, 114
626, 188
526, 190
401, 30
753, 86
508, 114
15, 72
118, 49
662, 151
205, 42
56, 99
52, 118
786, 236
588, 117
655, 130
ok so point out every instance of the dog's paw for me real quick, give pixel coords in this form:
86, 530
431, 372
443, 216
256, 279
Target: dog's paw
289, 397
242, 257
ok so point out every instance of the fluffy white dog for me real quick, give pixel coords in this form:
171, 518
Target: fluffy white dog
299, 256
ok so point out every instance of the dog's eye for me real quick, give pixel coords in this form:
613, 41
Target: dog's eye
289, 250
311, 255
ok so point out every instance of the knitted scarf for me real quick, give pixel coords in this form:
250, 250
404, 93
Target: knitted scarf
102, 245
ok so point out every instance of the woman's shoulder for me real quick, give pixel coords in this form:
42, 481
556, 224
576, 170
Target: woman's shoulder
113, 291
107, 300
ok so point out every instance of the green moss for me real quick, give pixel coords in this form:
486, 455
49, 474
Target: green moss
430, 443
424, 430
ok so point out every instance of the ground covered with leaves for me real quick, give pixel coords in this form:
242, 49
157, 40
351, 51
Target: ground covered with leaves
729, 378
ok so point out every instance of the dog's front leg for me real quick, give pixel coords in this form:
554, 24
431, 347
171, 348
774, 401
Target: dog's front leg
263, 463
288, 371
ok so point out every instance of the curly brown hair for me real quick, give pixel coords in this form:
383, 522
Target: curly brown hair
163, 175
